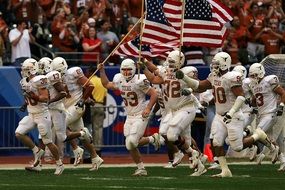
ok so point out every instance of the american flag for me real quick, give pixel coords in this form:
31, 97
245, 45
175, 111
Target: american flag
203, 21
159, 50
157, 29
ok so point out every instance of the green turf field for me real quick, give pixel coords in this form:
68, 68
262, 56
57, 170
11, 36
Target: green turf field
251, 177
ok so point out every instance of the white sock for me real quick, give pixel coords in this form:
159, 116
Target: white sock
35, 149
189, 150
58, 162
140, 165
223, 163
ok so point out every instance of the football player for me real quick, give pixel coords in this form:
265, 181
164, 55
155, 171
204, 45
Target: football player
181, 105
75, 82
266, 91
134, 89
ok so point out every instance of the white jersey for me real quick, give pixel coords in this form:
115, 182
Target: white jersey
133, 92
223, 95
172, 90
75, 90
37, 83
247, 93
53, 78
266, 98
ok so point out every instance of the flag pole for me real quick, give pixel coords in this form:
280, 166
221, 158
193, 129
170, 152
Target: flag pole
141, 32
181, 30
105, 60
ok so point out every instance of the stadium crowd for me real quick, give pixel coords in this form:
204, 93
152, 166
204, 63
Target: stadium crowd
69, 26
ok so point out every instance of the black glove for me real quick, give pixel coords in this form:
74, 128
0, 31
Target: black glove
280, 109
80, 103
179, 74
248, 102
254, 111
203, 110
23, 108
186, 91
227, 118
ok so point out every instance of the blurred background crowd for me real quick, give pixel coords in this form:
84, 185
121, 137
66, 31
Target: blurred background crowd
85, 31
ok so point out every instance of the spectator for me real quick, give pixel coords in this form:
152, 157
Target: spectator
99, 95
271, 38
20, 37
26, 10
92, 47
109, 39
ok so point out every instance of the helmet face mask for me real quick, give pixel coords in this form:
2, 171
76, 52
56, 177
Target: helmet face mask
59, 64
29, 67
221, 63
256, 72
175, 59
128, 69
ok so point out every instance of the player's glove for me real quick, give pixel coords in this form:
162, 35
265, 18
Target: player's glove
203, 110
80, 103
227, 118
142, 65
179, 74
186, 91
254, 110
248, 102
23, 108
280, 109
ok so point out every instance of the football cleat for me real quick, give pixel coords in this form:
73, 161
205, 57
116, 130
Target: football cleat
156, 142
140, 172
169, 165
200, 169
32, 168
96, 163
214, 166
59, 169
78, 155
275, 154
178, 156
259, 158
225, 173
38, 157
253, 153
282, 167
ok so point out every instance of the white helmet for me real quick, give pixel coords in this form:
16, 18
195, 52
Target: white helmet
256, 72
128, 64
190, 71
241, 69
221, 62
59, 64
45, 65
174, 61
29, 67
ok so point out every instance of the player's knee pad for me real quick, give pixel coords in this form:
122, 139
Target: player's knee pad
61, 136
131, 142
46, 140
171, 137
217, 142
87, 137
237, 148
